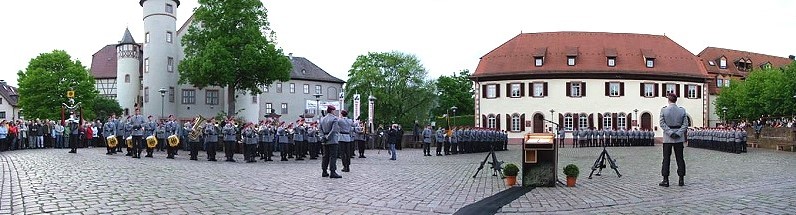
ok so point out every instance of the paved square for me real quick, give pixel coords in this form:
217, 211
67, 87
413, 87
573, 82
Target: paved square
52, 181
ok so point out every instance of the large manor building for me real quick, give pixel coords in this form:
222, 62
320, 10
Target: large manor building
592, 80
145, 74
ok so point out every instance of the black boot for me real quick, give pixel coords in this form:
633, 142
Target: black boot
665, 182
680, 182
325, 174
335, 175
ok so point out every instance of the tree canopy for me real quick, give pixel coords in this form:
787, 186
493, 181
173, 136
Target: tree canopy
455, 90
399, 83
230, 44
44, 83
105, 107
767, 92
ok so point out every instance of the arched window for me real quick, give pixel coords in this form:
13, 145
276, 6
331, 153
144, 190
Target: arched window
568, 122
127, 78
515, 122
583, 121
607, 121
331, 93
491, 121
621, 121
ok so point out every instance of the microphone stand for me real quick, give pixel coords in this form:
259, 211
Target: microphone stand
555, 136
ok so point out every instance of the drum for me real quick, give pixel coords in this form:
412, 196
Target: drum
111, 141
173, 140
151, 142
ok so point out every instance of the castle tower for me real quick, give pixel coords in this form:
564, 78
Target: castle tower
160, 57
128, 72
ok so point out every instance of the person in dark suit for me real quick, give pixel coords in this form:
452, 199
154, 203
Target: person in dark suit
674, 122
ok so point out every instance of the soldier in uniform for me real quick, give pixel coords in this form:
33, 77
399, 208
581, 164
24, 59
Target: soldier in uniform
194, 142
250, 140
137, 131
674, 123
128, 132
427, 138
299, 140
345, 126
74, 136
598, 137
282, 140
171, 129
329, 131
160, 134
359, 138
107, 130
561, 137
575, 136
211, 133
230, 139
312, 141
266, 135
453, 141
440, 138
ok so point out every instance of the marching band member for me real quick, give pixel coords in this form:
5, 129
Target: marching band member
345, 126
359, 138
194, 142
312, 141
299, 134
440, 138
229, 131
160, 134
128, 132
138, 124
108, 130
329, 131
266, 141
171, 129
250, 139
149, 130
281, 133
211, 139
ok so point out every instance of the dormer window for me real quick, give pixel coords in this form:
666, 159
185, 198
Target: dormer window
611, 61
723, 63
570, 61
766, 66
572, 53
538, 61
650, 62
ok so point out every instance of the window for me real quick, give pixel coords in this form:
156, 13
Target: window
726, 82
292, 88
621, 121
188, 96
575, 89
318, 90
278, 87
607, 121
211, 97
127, 78
254, 99
331, 93
170, 65
169, 8
2, 114
266, 89
613, 89
568, 122
671, 88
692, 91
570, 61
649, 90
269, 108
146, 37
171, 94
719, 82
538, 89
650, 62
538, 61
491, 91
515, 122
583, 121
284, 108
169, 36
306, 89
146, 65
611, 61
515, 90
723, 63
491, 121
146, 94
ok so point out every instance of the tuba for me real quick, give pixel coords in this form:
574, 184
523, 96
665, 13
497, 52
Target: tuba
111, 141
196, 130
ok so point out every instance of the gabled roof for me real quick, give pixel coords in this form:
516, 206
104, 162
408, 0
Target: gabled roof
515, 57
9, 93
304, 69
714, 54
103, 63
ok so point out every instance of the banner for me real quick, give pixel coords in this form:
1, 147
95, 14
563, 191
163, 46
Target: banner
311, 106
342, 101
356, 106
370, 114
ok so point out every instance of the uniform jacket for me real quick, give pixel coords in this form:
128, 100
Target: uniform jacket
329, 129
229, 132
345, 126
137, 122
674, 123
299, 133
211, 133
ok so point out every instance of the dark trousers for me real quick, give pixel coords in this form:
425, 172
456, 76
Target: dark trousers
210, 147
301, 149
447, 148
137, 146
314, 149
361, 147
73, 141
283, 147
439, 148
345, 148
229, 150
248, 152
194, 147
329, 160
574, 142
171, 150
120, 143
426, 148
678, 154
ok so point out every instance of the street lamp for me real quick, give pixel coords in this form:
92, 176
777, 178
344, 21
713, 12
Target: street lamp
454, 108
724, 112
318, 105
162, 98
635, 112
552, 126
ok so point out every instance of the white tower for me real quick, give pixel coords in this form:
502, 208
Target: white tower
128, 72
160, 56
248, 105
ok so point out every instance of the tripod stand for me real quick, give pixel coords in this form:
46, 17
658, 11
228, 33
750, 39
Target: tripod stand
496, 165
600, 163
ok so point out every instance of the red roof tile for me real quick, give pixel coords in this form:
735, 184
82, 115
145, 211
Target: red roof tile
758, 60
515, 57
103, 63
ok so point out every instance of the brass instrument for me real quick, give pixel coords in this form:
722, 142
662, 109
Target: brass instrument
196, 130
129, 141
173, 140
111, 141
151, 142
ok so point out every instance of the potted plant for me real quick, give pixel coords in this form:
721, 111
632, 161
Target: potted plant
510, 172
572, 174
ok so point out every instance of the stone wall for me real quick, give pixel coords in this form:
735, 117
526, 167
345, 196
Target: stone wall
770, 137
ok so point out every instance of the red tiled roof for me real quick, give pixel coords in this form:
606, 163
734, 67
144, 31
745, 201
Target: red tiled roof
516, 56
103, 63
714, 54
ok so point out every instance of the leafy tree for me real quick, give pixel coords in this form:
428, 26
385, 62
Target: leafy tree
231, 45
399, 83
455, 90
764, 92
44, 83
105, 107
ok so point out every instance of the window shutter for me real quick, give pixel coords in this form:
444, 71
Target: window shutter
699, 91
591, 120
483, 121
522, 122
600, 121
483, 91
663, 90
583, 89
641, 92
508, 90
655, 88
575, 120
569, 89
607, 89
497, 122
613, 121
522, 89
677, 90
544, 85
531, 90
508, 122
561, 120
628, 121
621, 89
497, 90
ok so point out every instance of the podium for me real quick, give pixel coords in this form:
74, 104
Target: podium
539, 160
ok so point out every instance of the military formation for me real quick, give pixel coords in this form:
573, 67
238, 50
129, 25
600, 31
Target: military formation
607, 137
463, 140
721, 139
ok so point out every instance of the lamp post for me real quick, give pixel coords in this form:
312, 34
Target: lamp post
454, 108
724, 115
552, 126
162, 98
635, 113
318, 105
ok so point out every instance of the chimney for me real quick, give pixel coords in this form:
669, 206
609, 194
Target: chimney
290, 55
792, 57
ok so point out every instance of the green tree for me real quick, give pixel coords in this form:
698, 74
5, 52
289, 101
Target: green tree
105, 107
44, 83
231, 45
455, 90
399, 83
763, 92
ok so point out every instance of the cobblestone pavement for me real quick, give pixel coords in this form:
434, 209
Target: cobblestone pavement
50, 181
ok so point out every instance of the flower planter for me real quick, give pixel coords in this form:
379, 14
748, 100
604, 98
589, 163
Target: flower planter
571, 181
511, 180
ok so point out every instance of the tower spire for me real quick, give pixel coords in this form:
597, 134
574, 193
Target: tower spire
127, 38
